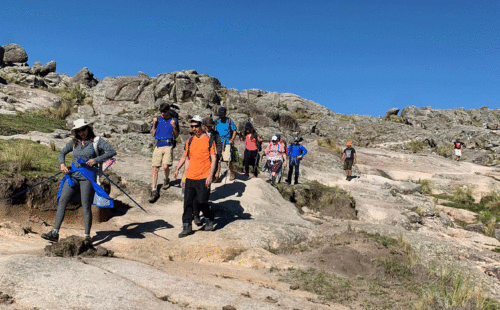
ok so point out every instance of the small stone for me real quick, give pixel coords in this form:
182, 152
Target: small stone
228, 308
294, 287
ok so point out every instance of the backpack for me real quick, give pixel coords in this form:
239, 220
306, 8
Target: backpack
259, 145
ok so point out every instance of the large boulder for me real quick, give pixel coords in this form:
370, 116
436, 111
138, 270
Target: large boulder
84, 77
14, 53
40, 70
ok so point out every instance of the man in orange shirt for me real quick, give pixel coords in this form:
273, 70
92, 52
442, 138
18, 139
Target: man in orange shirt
201, 160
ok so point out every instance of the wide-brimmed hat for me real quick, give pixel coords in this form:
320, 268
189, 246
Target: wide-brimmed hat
197, 118
80, 123
349, 143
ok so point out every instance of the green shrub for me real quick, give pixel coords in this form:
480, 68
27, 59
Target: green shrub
416, 146
331, 144
426, 186
394, 119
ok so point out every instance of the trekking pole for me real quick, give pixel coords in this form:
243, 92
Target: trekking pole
35, 185
121, 190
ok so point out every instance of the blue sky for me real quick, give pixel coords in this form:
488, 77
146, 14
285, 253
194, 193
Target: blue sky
354, 57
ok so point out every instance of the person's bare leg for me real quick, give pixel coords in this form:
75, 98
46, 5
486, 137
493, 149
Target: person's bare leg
154, 182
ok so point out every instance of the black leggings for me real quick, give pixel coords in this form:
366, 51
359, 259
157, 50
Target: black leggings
251, 158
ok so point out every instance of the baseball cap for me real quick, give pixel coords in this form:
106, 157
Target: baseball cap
197, 118
274, 138
221, 111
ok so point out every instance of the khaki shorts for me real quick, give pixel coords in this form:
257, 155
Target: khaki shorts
348, 164
162, 155
226, 153
458, 152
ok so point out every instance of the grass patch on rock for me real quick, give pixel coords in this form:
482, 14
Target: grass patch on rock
488, 207
28, 158
426, 186
330, 144
23, 123
330, 201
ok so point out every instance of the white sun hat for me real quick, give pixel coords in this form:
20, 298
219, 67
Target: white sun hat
274, 138
197, 118
79, 123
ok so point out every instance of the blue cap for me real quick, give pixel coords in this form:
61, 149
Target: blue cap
277, 135
221, 111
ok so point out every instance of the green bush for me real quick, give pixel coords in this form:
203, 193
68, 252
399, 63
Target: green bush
426, 186
330, 144
394, 119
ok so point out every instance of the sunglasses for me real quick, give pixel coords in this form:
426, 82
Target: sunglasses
195, 126
80, 130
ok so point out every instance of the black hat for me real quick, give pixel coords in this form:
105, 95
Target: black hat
248, 125
222, 111
164, 107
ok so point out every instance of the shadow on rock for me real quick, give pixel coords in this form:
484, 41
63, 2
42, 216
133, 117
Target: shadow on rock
132, 231
226, 190
227, 212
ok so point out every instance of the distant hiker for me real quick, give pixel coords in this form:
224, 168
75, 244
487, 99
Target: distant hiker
200, 167
227, 132
182, 161
349, 155
275, 157
209, 128
165, 129
252, 148
295, 154
458, 149
82, 177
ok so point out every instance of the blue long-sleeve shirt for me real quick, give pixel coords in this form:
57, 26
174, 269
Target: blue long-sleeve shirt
296, 150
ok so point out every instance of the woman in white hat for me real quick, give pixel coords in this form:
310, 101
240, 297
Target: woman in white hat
83, 172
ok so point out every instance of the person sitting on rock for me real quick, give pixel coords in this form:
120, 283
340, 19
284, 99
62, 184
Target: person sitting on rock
82, 176
349, 155
295, 154
227, 133
252, 148
275, 156
200, 167
165, 129
458, 149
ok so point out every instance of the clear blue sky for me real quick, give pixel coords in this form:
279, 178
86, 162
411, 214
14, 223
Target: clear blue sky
354, 57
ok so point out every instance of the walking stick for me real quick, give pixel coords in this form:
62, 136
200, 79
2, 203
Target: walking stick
35, 185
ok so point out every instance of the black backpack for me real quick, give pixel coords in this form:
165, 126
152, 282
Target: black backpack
211, 141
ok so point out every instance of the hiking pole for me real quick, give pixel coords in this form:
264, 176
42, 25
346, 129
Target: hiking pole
35, 185
121, 190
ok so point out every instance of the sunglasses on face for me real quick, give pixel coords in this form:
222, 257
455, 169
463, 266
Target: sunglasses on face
195, 126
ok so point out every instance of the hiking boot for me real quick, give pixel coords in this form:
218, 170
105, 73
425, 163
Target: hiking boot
166, 184
347, 178
231, 176
154, 195
87, 240
51, 236
187, 230
197, 220
209, 226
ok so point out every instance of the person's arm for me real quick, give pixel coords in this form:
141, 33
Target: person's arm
354, 162
179, 165
174, 122
107, 151
62, 155
304, 152
153, 128
342, 158
186, 168
234, 129
213, 165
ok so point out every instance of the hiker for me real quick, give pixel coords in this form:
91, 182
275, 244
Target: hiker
349, 155
275, 156
252, 148
200, 167
227, 132
296, 152
209, 129
458, 149
81, 177
165, 129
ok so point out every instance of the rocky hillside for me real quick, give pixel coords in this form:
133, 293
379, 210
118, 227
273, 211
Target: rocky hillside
123, 106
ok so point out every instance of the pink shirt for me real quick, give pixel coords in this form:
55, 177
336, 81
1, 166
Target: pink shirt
251, 142
273, 151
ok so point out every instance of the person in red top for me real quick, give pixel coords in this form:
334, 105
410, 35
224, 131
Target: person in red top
458, 149
201, 160
252, 146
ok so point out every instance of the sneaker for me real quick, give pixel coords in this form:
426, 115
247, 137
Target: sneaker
209, 226
347, 178
166, 184
87, 240
231, 176
51, 236
187, 230
197, 220
154, 195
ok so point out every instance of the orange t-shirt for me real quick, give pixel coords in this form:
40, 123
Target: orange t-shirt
199, 158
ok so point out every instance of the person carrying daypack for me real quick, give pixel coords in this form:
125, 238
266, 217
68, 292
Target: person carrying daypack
296, 152
165, 129
200, 166
227, 133
82, 176
275, 155
252, 148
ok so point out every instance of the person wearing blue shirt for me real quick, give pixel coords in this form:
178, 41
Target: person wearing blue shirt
295, 153
227, 133
165, 130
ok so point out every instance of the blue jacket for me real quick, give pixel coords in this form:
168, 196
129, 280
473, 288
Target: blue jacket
296, 150
104, 202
